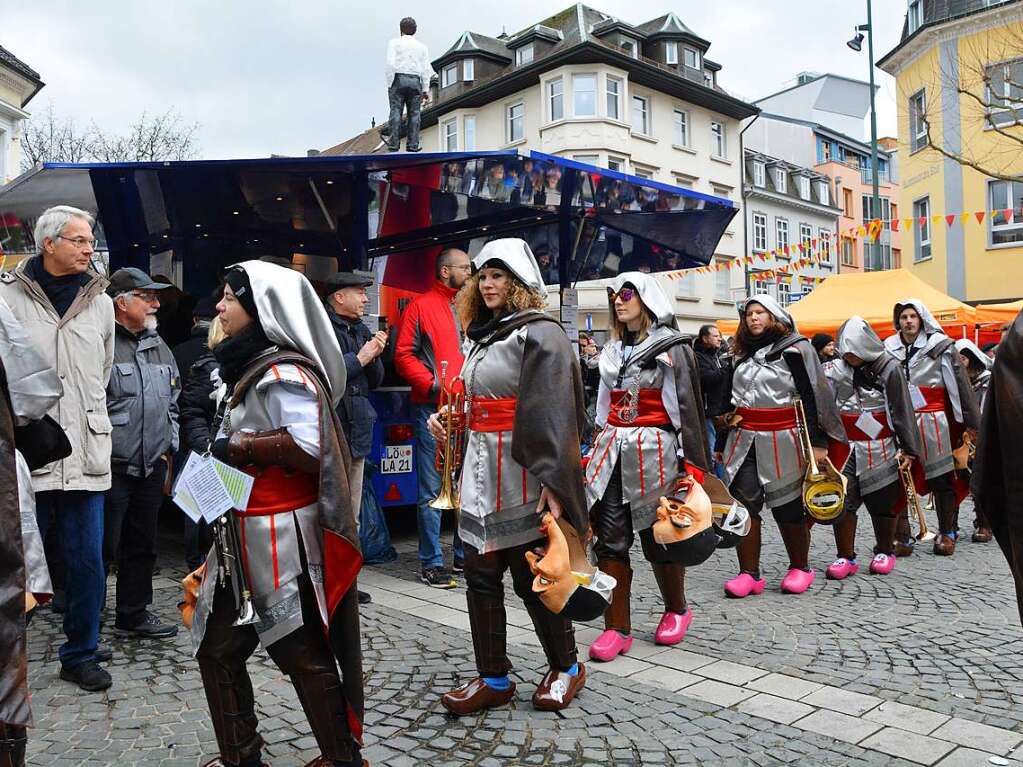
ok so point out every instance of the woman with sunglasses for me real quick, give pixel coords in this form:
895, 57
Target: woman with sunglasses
526, 409
649, 417
760, 447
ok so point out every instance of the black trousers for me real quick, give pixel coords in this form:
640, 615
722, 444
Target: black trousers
130, 515
611, 518
405, 94
747, 490
484, 580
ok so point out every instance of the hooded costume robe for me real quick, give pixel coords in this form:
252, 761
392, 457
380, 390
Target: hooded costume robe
764, 381
931, 365
997, 480
981, 383
877, 388
661, 375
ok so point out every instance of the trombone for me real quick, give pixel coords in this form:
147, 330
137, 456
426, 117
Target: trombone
913, 507
823, 486
449, 454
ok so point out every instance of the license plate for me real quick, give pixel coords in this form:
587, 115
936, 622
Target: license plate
397, 459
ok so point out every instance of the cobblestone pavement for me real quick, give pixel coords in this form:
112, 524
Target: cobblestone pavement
921, 667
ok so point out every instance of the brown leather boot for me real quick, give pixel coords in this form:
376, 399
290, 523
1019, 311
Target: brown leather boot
13, 742
618, 615
944, 545
671, 582
474, 696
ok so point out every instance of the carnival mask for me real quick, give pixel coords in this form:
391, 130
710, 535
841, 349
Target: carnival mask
683, 526
564, 579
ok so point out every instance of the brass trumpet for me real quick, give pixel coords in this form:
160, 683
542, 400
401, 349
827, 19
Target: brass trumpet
449, 454
823, 486
231, 572
913, 506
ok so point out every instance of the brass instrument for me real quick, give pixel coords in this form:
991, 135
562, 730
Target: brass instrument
913, 507
231, 572
823, 486
449, 454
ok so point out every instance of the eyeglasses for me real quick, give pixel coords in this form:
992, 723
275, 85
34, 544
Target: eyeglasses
625, 294
149, 296
463, 267
79, 242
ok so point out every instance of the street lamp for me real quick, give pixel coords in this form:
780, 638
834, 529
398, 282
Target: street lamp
857, 45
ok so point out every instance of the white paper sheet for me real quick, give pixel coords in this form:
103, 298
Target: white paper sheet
917, 397
207, 488
869, 425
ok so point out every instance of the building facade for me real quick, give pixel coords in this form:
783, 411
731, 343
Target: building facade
641, 99
18, 84
959, 75
790, 219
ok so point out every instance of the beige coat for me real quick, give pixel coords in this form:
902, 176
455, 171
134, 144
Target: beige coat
80, 347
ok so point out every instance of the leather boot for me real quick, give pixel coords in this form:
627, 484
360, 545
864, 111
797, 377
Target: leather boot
555, 634
796, 538
903, 546
671, 582
488, 623
748, 550
884, 533
845, 536
944, 545
982, 528
947, 510
327, 712
13, 741
232, 710
618, 614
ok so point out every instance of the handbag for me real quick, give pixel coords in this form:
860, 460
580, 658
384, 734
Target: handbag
41, 442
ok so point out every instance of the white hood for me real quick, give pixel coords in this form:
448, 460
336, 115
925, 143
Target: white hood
516, 257
966, 346
857, 337
293, 316
929, 324
771, 305
650, 293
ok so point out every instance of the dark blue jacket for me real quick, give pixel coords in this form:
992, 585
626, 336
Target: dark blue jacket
355, 411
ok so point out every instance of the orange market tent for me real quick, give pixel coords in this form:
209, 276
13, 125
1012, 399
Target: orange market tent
998, 313
872, 295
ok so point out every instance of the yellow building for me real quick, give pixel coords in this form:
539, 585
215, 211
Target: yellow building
959, 76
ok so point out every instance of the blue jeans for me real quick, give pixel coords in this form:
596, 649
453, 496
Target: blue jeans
430, 553
78, 515
717, 468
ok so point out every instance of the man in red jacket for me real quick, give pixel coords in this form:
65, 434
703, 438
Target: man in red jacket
430, 335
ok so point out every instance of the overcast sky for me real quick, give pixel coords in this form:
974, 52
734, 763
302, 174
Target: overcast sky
268, 76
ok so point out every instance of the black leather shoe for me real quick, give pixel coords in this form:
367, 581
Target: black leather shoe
364, 598
148, 626
103, 654
89, 676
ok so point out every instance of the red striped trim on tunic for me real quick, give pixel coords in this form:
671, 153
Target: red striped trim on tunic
660, 459
273, 548
937, 432
500, 450
735, 444
923, 437
870, 456
600, 463
777, 461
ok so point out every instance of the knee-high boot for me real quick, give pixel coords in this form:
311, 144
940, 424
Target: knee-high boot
748, 550
618, 615
947, 510
555, 634
13, 741
797, 544
884, 533
845, 536
232, 709
488, 623
671, 579
325, 708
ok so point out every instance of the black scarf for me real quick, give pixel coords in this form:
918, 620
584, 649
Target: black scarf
484, 325
235, 352
755, 343
62, 290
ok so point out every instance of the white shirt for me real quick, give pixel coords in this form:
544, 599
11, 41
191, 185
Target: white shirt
408, 56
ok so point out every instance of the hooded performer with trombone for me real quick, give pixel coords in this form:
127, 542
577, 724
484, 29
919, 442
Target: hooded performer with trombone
649, 413
877, 413
781, 402
291, 556
521, 474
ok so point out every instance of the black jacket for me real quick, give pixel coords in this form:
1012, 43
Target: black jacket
187, 352
713, 377
197, 407
355, 411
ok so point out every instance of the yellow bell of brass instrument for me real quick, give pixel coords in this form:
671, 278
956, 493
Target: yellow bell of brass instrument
823, 486
914, 510
449, 454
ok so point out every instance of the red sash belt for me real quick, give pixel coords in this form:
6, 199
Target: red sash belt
649, 410
855, 434
935, 396
767, 418
492, 413
276, 490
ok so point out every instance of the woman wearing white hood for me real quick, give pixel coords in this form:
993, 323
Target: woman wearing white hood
978, 369
760, 451
526, 411
649, 412
284, 374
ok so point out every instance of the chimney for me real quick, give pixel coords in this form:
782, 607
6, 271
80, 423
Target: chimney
372, 122
312, 152
804, 77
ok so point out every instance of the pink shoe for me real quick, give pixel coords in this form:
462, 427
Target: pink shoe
882, 564
609, 645
841, 568
797, 581
673, 627
743, 585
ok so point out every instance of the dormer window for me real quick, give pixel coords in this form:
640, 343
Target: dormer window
691, 58
469, 70
630, 46
914, 15
671, 53
804, 187
758, 174
822, 192
779, 180
449, 75
523, 55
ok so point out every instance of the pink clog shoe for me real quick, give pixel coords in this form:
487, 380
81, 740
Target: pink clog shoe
841, 568
797, 581
673, 627
609, 645
743, 585
882, 564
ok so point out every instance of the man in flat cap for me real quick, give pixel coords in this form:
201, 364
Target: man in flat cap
142, 401
346, 304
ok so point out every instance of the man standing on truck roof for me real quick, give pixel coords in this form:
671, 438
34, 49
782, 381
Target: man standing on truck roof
407, 72
428, 337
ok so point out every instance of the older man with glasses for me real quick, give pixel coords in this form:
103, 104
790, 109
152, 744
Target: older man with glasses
142, 400
61, 304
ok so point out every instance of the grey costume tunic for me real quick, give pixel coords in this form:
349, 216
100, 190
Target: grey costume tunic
648, 455
932, 364
274, 544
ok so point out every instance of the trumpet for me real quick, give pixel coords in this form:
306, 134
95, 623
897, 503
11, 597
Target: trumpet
913, 507
231, 572
823, 486
449, 454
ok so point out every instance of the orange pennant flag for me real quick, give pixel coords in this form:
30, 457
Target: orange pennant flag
980, 216
895, 224
1008, 214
